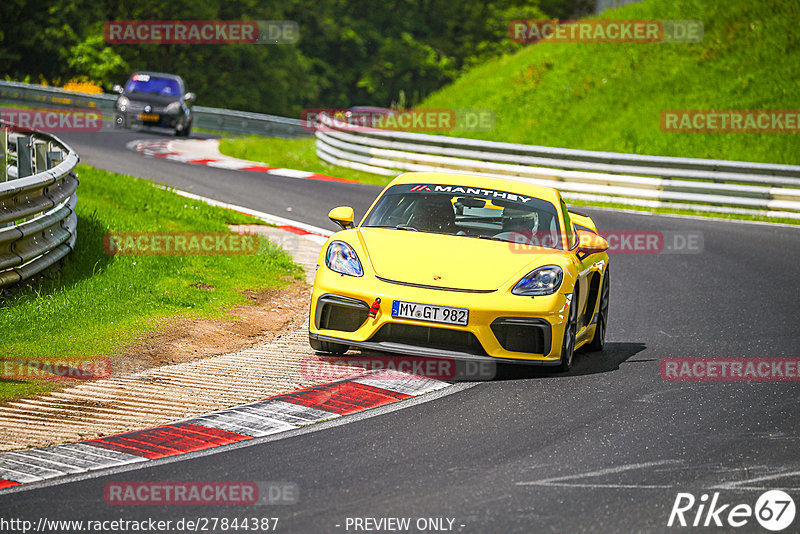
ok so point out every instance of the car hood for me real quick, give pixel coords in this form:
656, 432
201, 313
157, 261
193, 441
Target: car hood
445, 261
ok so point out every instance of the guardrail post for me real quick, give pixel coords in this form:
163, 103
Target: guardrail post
40, 155
54, 158
24, 157
4, 157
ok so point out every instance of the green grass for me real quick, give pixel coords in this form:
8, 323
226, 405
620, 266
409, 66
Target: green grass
608, 96
292, 154
99, 303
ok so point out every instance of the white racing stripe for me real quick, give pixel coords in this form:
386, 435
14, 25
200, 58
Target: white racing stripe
240, 423
411, 386
45, 461
292, 173
69, 457
11, 468
101, 455
49, 462
294, 414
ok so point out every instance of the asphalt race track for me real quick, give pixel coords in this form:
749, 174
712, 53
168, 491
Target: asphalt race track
606, 448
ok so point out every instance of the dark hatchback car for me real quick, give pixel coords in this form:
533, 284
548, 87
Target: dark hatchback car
154, 99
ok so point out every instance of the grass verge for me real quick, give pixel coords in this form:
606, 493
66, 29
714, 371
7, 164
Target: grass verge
610, 96
98, 303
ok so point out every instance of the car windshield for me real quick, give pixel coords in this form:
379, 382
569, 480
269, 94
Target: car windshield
469, 212
144, 83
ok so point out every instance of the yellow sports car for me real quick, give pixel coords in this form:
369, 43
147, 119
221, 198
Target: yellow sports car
464, 267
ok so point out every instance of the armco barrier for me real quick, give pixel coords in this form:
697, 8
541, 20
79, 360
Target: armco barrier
636, 180
38, 225
221, 120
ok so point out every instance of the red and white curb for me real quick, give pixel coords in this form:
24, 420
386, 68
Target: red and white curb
206, 152
274, 415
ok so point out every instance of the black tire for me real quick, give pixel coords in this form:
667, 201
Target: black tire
598, 342
328, 346
570, 334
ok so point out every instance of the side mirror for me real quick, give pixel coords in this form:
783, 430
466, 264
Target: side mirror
117, 89
590, 243
189, 97
343, 216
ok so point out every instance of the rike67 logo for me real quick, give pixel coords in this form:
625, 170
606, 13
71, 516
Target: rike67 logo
774, 510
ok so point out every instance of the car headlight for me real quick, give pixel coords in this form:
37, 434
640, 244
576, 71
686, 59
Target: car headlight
541, 281
341, 258
172, 107
122, 103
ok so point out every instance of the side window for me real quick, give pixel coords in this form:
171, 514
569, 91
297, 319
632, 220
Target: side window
571, 240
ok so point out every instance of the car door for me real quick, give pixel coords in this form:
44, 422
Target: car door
585, 266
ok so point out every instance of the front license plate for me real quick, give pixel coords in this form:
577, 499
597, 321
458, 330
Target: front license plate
430, 312
149, 117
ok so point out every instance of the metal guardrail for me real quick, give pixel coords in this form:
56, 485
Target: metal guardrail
38, 225
647, 181
221, 120
637, 180
224, 120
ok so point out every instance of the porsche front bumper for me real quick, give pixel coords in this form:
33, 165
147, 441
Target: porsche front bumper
502, 327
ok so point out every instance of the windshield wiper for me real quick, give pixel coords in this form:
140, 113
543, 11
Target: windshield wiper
493, 238
398, 227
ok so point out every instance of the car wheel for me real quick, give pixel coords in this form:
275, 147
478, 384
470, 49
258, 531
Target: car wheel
599, 340
328, 346
570, 333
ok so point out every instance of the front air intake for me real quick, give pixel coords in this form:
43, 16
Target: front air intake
522, 334
340, 313
430, 337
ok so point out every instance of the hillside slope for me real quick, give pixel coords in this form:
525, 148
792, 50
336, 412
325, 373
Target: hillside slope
609, 96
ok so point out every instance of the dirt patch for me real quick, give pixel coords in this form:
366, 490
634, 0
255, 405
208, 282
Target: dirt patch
269, 314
